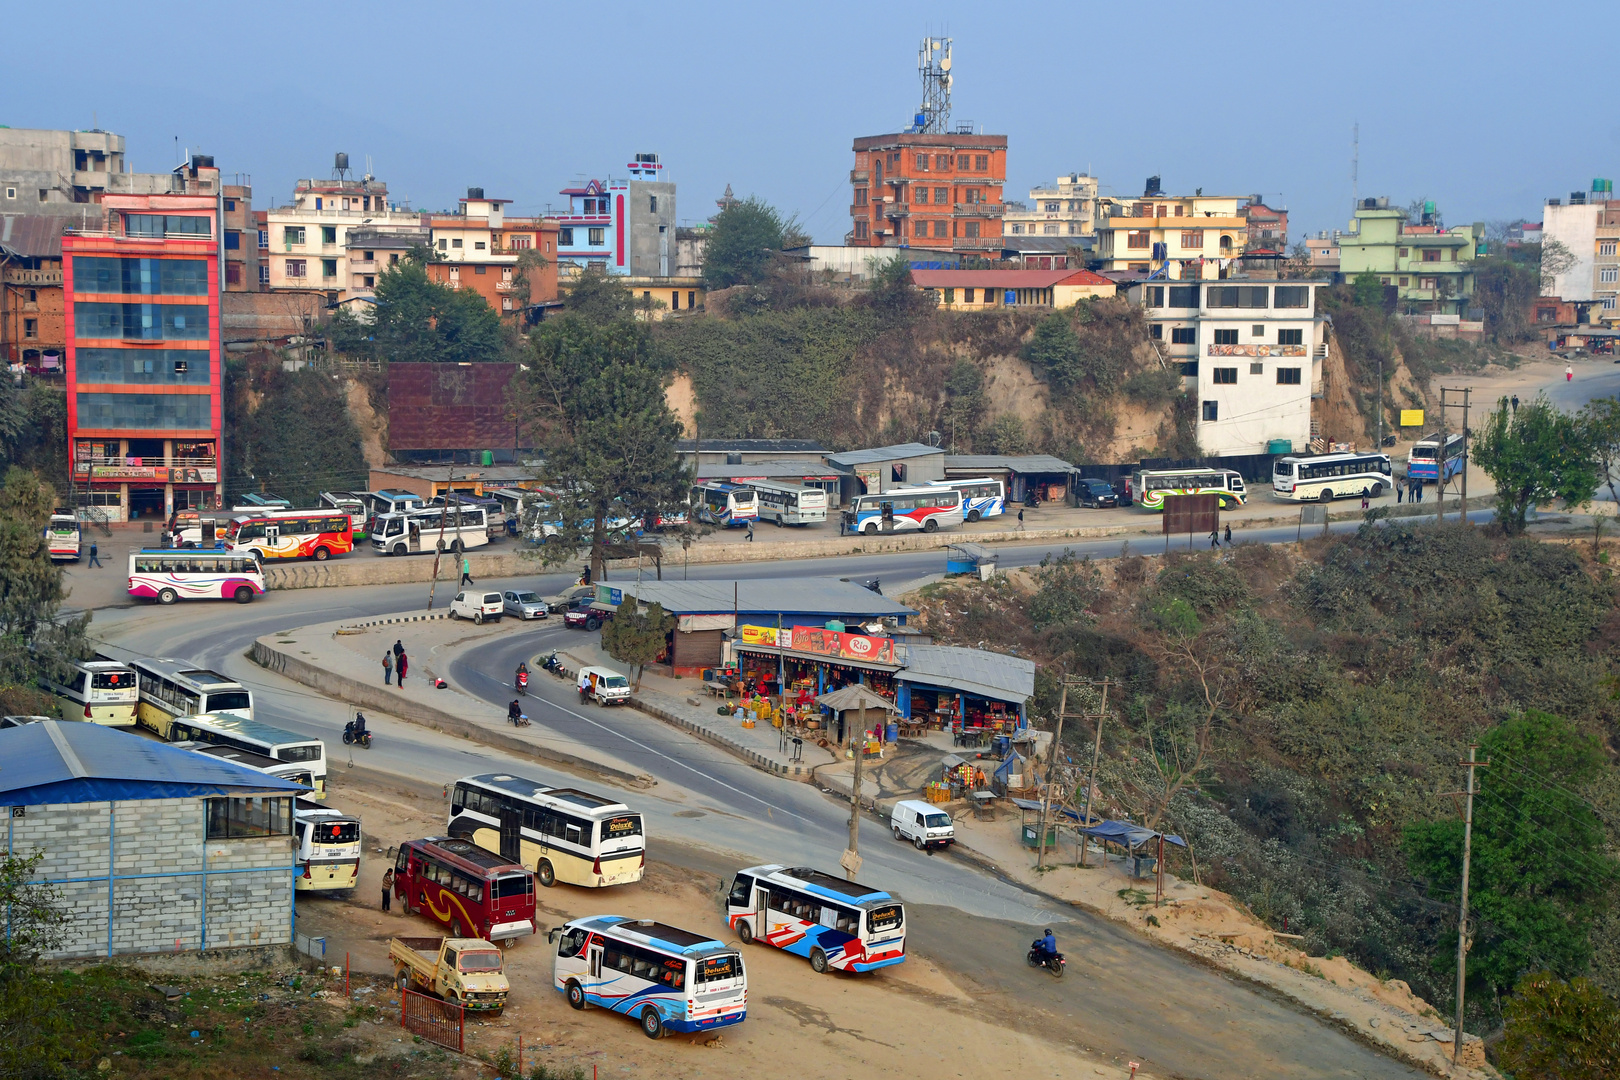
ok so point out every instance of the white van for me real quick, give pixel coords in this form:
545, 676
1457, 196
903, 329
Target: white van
607, 686
925, 825
478, 606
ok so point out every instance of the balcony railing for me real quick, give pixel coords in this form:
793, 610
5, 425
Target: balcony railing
859, 176
860, 210
992, 210
897, 210
505, 285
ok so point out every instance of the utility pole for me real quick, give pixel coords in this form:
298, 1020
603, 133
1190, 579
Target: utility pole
1051, 771
1462, 913
851, 861
438, 554
1467, 394
1379, 449
1091, 784
1440, 467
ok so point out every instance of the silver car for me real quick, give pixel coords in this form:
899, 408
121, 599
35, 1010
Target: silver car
525, 605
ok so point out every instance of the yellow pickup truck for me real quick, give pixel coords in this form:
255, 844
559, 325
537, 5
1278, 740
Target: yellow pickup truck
464, 971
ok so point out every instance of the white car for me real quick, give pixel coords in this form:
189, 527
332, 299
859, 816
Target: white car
477, 606
927, 827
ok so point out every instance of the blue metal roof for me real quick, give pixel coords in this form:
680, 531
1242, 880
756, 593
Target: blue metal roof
57, 761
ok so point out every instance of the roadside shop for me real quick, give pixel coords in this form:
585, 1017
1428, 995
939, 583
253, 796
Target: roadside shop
798, 664
974, 694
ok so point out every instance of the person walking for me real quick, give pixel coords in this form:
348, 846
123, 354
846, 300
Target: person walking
388, 887
1228, 534
1364, 500
1214, 539
402, 666
1020, 519
749, 525
94, 561
388, 668
466, 571
1569, 372
1515, 404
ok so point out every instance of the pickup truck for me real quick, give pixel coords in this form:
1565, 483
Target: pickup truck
464, 971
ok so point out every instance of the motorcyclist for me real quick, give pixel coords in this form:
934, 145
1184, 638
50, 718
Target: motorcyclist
357, 727
523, 667
1048, 947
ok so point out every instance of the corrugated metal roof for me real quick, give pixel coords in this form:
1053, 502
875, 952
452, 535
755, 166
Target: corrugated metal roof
712, 446
996, 675
766, 596
1019, 463
770, 470
59, 761
885, 453
33, 236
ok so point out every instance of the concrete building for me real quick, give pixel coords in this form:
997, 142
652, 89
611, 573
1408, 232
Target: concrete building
33, 328
749, 451
1175, 237
1251, 350
937, 191
1068, 208
1324, 249
145, 405
1587, 230
50, 172
480, 248
1268, 228
152, 849
1431, 267
308, 240
1049, 477
885, 468
241, 233
623, 226
978, 289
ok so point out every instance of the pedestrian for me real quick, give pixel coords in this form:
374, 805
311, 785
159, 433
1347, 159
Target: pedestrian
402, 666
1214, 539
1515, 404
1228, 534
749, 525
466, 571
388, 887
1364, 500
1020, 520
1400, 492
399, 649
388, 668
1418, 487
1569, 372
94, 561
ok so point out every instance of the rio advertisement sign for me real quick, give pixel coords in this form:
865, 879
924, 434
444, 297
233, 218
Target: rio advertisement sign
818, 639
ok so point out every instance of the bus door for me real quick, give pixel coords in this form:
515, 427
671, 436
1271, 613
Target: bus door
272, 533
594, 963
512, 834
888, 516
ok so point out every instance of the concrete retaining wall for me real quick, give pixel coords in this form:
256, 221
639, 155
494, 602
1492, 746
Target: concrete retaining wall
752, 757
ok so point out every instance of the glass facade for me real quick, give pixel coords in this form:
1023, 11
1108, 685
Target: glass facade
140, 277
158, 225
140, 322
174, 367
145, 412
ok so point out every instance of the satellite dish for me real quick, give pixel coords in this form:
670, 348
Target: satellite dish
948, 80
945, 64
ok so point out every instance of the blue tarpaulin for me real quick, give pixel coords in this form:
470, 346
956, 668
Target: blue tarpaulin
1131, 836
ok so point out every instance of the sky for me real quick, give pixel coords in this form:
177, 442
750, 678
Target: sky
1246, 97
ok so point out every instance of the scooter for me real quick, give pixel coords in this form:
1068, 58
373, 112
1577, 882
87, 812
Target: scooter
349, 737
552, 664
522, 683
1053, 964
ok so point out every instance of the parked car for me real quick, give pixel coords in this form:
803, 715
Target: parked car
567, 597
1099, 494
607, 686
925, 825
1122, 490
477, 606
587, 615
525, 605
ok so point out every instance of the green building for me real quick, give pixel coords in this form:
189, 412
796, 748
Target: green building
1430, 265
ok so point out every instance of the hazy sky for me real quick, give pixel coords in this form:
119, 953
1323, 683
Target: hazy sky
1453, 99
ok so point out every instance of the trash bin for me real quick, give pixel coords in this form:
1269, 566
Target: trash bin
891, 733
1003, 745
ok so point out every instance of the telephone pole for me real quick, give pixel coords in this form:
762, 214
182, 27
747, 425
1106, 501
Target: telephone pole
444, 511
1051, 772
1467, 394
1462, 913
1091, 782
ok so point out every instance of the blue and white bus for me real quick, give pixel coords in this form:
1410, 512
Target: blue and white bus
984, 497
728, 505
838, 925
667, 978
1423, 460
907, 509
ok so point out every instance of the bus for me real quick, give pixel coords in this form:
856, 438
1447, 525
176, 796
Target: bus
350, 503
839, 925
564, 833
790, 504
253, 502
716, 502
295, 771
62, 536
292, 534
328, 842
1423, 460
170, 574
101, 691
667, 978
907, 509
171, 688
461, 886
1150, 486
255, 737
985, 497
1327, 476
430, 529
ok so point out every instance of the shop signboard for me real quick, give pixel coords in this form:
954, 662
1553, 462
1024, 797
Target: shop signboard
818, 639
607, 594
767, 635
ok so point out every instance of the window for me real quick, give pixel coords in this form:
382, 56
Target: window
11, 193
1451, 254
293, 235
1226, 337
264, 273
1288, 376
981, 163
922, 162
44, 194
919, 195
328, 268
1212, 410
941, 229
456, 243
1226, 376
1238, 296
1257, 330
1189, 369
144, 277
1193, 239
967, 296
295, 268
942, 195
370, 281
233, 241
1609, 274
328, 234
1405, 282
1156, 332
478, 245
597, 237
1431, 254
234, 819
1138, 239
1049, 230
860, 196
942, 162
970, 229
962, 162
519, 243
1428, 283
393, 260
861, 230
1183, 335
1403, 253
565, 237
1183, 296
1257, 369
141, 322
691, 298
950, 296
1290, 337
443, 243
233, 273
30, 328
264, 238
479, 270
652, 204
1606, 247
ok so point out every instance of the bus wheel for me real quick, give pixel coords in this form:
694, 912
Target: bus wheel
1325, 496
576, 994
870, 528
322, 554
544, 873
931, 525
973, 515
167, 596
1377, 490
818, 961
455, 928
244, 595
399, 549
652, 1025
745, 932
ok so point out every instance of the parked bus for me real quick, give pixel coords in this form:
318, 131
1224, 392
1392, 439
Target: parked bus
350, 503
838, 924
790, 504
985, 497
189, 528
1150, 486
907, 509
252, 502
296, 771
172, 688
667, 978
461, 886
378, 503
292, 534
62, 538
328, 842
494, 512
1423, 460
255, 737
171, 574
716, 502
565, 834
100, 691
430, 529
1327, 476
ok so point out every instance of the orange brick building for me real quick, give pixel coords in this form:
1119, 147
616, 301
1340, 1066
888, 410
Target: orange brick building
480, 247
936, 191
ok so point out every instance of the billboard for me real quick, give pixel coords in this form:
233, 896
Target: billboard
818, 639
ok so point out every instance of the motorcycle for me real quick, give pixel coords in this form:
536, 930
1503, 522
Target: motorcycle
350, 737
522, 683
1053, 964
552, 664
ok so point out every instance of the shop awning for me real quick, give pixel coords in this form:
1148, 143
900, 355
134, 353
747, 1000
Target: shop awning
973, 671
855, 697
818, 658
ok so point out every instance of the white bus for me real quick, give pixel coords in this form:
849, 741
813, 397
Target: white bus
170, 574
1423, 460
563, 833
1150, 486
907, 509
100, 691
984, 497
837, 924
173, 688
62, 536
667, 978
790, 504
430, 529
224, 729
295, 771
716, 502
1327, 476
350, 503
328, 842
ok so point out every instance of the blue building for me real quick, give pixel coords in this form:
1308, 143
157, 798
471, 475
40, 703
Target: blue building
624, 226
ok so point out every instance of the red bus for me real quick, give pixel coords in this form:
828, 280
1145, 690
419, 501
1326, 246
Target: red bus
291, 534
465, 888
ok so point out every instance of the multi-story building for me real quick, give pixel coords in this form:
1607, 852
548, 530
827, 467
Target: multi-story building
1251, 350
50, 172
623, 226
241, 233
143, 351
308, 242
1324, 249
1068, 208
1268, 228
1431, 266
1187, 237
479, 249
1583, 269
940, 191
33, 331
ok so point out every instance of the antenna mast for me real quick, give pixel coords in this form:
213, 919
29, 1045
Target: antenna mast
1355, 166
934, 65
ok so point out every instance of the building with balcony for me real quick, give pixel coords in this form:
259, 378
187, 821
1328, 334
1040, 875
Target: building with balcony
479, 249
1174, 237
33, 331
1431, 267
1068, 208
143, 353
1587, 230
623, 226
51, 172
936, 191
1251, 351
307, 242
1268, 228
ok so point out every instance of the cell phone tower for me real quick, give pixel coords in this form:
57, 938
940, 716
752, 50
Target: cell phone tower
934, 65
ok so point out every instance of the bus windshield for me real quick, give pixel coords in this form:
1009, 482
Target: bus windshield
481, 960
513, 885
231, 701
884, 918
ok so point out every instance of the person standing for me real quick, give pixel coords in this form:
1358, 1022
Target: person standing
1569, 372
1400, 492
399, 650
402, 666
94, 561
1364, 500
1515, 404
1228, 534
388, 668
1417, 487
466, 571
388, 887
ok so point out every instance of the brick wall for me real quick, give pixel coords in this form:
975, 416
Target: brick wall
449, 407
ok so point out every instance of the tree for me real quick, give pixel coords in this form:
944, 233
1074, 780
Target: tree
637, 637
32, 641
1560, 1031
290, 432
1504, 291
1369, 290
35, 919
1535, 455
524, 276
743, 244
418, 320
594, 295
892, 292
1601, 418
1556, 259
1055, 348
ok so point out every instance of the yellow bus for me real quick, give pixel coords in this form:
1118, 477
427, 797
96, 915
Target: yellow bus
563, 834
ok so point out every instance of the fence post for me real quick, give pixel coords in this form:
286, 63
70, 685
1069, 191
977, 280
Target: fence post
346, 991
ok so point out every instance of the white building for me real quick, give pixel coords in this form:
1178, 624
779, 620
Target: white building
1588, 229
1251, 350
309, 240
1069, 208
